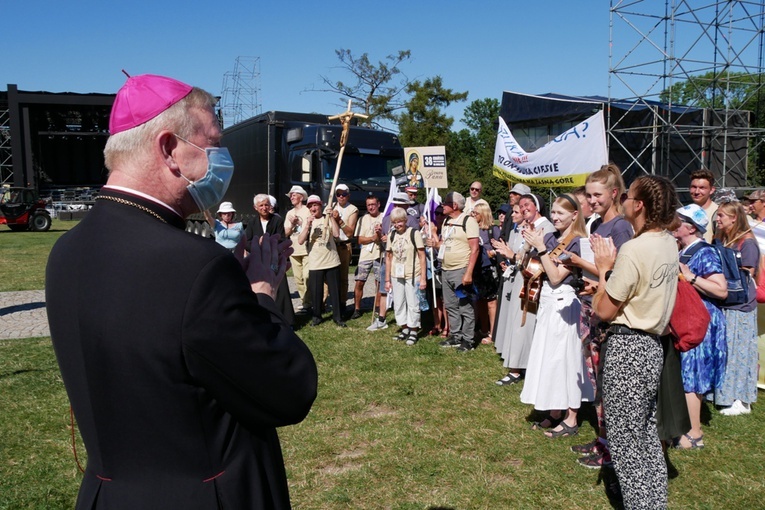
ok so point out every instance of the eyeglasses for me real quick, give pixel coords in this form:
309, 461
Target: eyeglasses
475, 189
624, 198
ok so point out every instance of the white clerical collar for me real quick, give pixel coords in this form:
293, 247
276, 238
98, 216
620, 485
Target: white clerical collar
142, 195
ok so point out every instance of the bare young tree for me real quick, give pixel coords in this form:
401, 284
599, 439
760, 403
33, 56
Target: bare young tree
370, 86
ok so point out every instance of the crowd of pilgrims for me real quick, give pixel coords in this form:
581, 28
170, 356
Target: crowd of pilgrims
564, 296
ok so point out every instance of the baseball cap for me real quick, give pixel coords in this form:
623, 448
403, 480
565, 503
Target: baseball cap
695, 215
314, 199
342, 187
411, 189
142, 98
758, 194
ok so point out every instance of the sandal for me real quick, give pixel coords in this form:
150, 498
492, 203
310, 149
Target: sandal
551, 423
694, 443
486, 340
565, 431
412, 338
434, 332
508, 380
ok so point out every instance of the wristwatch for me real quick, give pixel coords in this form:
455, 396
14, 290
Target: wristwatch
693, 280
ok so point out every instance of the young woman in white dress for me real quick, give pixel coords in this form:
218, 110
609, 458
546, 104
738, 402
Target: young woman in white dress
556, 376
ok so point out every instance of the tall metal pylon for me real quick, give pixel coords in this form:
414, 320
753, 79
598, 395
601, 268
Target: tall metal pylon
240, 94
658, 47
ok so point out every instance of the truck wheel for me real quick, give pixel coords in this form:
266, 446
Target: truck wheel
41, 222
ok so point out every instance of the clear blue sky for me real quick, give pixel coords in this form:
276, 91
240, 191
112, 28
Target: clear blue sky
482, 47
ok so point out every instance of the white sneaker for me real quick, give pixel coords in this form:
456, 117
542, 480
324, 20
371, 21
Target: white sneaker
376, 325
736, 409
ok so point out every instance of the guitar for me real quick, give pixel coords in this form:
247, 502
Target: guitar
533, 275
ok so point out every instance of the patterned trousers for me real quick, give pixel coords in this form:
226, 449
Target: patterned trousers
631, 370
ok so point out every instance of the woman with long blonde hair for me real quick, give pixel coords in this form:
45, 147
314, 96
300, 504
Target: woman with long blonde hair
485, 275
739, 384
604, 191
556, 377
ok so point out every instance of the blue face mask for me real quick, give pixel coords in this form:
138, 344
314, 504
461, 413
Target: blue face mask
210, 189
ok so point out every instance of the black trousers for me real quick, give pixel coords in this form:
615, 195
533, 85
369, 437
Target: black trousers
316, 279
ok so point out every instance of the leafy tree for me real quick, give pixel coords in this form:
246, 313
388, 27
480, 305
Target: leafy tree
424, 123
478, 142
371, 85
710, 90
736, 90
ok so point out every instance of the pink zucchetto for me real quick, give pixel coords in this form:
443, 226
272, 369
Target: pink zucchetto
142, 98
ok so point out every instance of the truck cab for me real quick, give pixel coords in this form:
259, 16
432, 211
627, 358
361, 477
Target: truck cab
277, 150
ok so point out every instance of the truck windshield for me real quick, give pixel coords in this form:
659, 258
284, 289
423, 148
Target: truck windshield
363, 169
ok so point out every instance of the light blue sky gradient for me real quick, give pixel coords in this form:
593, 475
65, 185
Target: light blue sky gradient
482, 47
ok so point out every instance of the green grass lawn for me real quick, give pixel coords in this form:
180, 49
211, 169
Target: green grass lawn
23, 256
394, 427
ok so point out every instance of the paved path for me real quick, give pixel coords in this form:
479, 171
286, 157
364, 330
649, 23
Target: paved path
23, 314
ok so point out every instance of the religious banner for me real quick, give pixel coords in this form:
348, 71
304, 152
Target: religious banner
426, 167
566, 160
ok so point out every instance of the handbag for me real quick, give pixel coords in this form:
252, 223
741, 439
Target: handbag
690, 319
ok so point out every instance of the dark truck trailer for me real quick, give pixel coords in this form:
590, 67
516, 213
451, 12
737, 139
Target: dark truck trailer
277, 150
53, 143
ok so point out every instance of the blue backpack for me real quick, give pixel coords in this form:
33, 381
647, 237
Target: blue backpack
735, 275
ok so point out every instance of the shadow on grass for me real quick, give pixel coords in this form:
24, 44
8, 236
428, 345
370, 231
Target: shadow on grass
23, 371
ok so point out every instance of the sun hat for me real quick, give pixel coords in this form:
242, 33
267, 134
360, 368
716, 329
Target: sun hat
314, 199
401, 199
411, 189
694, 215
226, 207
142, 98
758, 194
298, 189
520, 189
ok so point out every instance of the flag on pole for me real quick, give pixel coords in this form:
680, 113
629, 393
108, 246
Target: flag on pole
566, 160
391, 192
433, 200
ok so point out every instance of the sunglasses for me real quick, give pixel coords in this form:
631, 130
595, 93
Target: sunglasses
475, 189
341, 194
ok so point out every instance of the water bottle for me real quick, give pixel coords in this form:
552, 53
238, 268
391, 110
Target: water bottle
424, 306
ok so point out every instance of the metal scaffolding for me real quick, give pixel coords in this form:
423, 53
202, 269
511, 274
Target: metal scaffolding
693, 72
240, 95
6, 161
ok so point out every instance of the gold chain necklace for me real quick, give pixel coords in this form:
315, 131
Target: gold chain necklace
132, 204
